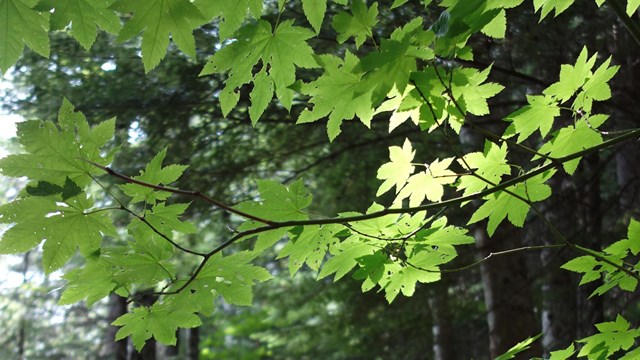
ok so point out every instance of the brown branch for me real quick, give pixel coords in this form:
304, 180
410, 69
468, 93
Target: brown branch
191, 193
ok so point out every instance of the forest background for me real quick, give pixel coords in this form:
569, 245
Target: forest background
494, 292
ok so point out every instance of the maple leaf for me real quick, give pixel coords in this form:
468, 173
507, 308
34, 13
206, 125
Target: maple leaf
467, 84
278, 202
160, 321
572, 77
84, 16
159, 20
490, 165
55, 153
310, 246
424, 269
63, 226
391, 65
357, 25
344, 257
338, 93
70, 228
503, 205
574, 138
93, 282
397, 171
443, 236
20, 26
404, 105
382, 226
428, 184
497, 27
546, 6
232, 13
27, 215
314, 10
613, 336
233, 276
165, 218
373, 268
280, 50
130, 267
154, 173
538, 115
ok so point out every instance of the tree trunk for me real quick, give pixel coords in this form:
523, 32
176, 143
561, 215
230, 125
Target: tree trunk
193, 349
172, 351
443, 341
112, 349
558, 290
590, 310
507, 291
23, 320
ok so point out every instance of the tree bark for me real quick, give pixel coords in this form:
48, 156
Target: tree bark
115, 349
507, 291
443, 341
590, 310
193, 349
559, 318
172, 351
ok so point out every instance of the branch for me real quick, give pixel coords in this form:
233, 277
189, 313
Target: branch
633, 28
195, 194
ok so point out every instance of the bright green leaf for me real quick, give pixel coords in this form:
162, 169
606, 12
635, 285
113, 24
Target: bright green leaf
280, 50
338, 93
428, 184
160, 321
357, 25
397, 171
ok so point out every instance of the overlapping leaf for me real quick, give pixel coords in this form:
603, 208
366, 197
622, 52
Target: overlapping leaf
278, 202
280, 51
428, 184
57, 152
338, 93
358, 24
21, 25
231, 276
574, 138
612, 337
92, 282
309, 247
232, 13
158, 20
397, 171
154, 174
537, 116
491, 166
160, 321
502, 204
83, 16
593, 268
65, 228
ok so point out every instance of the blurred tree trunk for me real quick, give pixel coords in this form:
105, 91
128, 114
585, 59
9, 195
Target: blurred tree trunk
193, 348
23, 320
115, 349
589, 310
172, 351
443, 341
558, 291
507, 291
